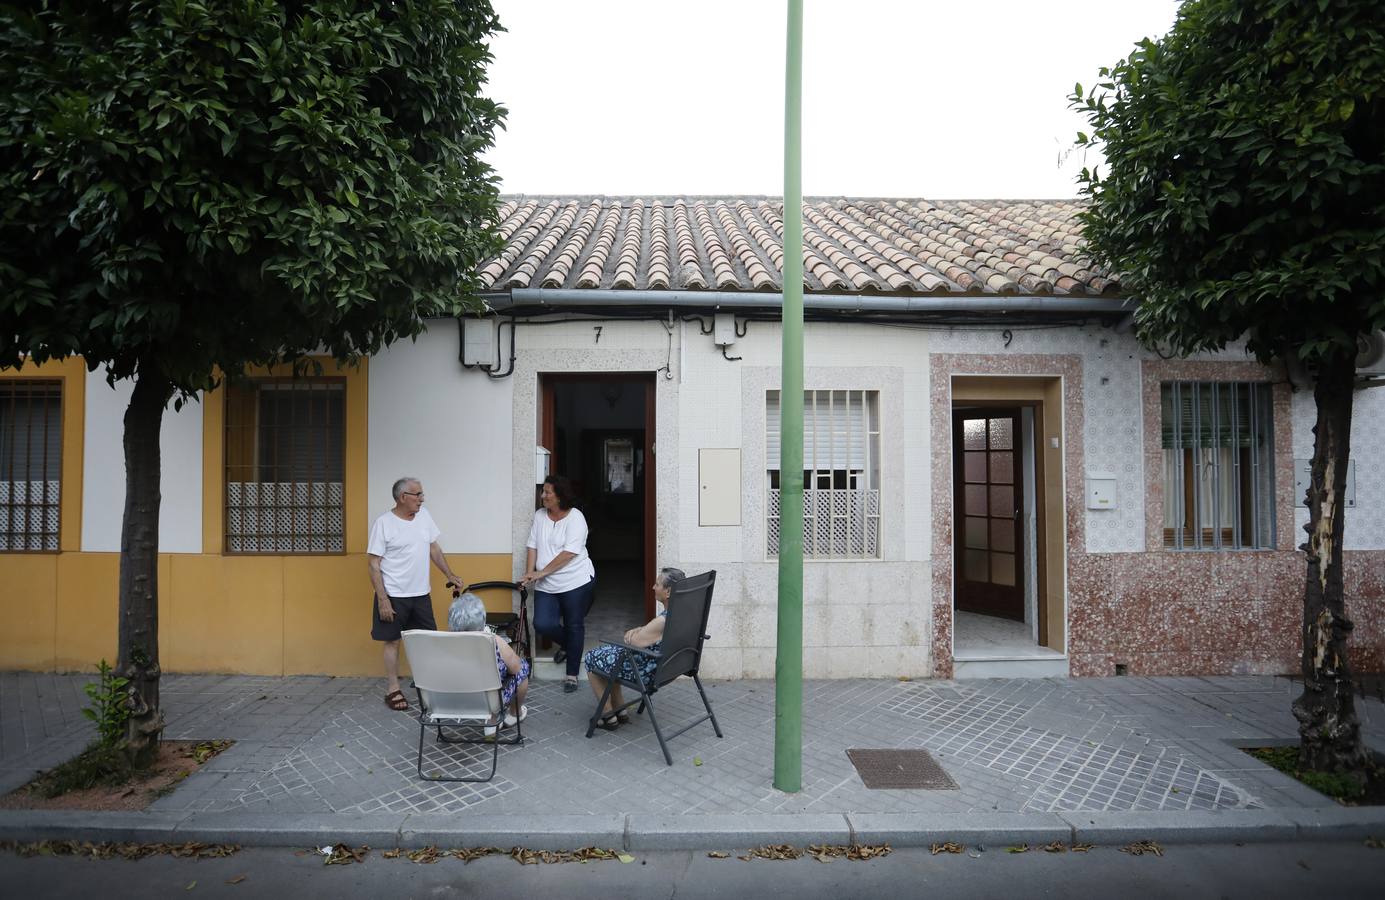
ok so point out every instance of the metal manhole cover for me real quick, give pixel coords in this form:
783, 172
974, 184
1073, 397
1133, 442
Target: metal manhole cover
886, 769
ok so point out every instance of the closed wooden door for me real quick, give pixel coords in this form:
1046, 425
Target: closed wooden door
987, 521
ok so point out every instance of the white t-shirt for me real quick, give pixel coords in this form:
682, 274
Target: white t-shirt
548, 538
402, 545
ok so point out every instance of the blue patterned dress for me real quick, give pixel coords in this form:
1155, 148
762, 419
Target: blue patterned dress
602, 660
509, 680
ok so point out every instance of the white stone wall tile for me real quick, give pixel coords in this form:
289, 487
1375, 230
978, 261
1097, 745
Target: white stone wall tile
1365, 522
721, 662
103, 470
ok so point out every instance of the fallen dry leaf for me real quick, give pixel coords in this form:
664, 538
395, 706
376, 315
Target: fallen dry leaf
947, 847
526, 857
342, 855
856, 852
427, 856
1018, 848
467, 854
206, 750
131, 851
717, 854
1140, 848
1082, 848
1055, 847
774, 851
237, 880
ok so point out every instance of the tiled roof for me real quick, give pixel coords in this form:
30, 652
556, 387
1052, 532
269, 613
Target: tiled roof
850, 246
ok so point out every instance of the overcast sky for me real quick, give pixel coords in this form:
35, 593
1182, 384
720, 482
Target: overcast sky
920, 98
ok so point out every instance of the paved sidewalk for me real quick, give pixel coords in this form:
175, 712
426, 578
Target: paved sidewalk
319, 757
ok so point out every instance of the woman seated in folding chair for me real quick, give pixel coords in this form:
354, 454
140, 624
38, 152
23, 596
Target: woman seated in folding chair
602, 660
468, 613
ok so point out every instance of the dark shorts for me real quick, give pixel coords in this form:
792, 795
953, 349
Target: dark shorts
409, 612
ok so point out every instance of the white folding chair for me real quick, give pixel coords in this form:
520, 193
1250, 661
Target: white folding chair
458, 686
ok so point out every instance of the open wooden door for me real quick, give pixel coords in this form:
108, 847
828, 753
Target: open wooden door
987, 520
650, 563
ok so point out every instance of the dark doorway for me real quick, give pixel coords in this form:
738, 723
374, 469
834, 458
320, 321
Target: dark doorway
988, 491
599, 428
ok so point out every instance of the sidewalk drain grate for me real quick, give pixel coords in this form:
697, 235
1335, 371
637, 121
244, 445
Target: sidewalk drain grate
886, 769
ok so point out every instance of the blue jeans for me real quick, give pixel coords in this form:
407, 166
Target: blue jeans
559, 617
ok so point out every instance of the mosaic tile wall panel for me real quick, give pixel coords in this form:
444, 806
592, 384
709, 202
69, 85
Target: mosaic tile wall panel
1365, 523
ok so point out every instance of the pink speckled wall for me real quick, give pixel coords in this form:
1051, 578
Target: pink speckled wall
1160, 612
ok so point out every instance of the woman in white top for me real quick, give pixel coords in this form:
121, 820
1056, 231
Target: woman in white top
558, 567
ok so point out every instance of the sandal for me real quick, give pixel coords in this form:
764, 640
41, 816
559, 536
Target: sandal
396, 701
608, 723
623, 718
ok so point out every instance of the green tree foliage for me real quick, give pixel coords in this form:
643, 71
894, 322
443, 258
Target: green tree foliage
1244, 191
212, 184
188, 187
1244, 197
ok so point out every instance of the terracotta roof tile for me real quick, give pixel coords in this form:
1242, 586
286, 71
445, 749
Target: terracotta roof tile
558, 272
628, 257
723, 276
659, 271
596, 262
689, 269
901, 245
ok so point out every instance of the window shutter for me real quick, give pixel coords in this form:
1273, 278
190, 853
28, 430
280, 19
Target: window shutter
302, 432
834, 430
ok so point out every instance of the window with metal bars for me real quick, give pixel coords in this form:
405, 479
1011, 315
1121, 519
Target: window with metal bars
30, 464
285, 465
1218, 449
841, 474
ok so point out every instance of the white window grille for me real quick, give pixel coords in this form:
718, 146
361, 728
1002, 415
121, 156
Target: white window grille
285, 466
841, 477
30, 464
1218, 449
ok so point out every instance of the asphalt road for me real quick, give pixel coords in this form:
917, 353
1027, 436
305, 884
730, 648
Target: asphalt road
1255, 870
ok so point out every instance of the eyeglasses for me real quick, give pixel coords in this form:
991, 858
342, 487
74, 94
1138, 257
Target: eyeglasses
418, 494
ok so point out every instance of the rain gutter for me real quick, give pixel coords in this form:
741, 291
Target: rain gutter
561, 299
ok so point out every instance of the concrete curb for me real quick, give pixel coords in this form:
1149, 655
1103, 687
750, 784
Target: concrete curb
922, 830
725, 832
1182, 826
556, 832
696, 832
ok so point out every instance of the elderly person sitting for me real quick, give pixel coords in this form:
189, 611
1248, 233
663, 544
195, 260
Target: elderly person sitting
468, 613
601, 661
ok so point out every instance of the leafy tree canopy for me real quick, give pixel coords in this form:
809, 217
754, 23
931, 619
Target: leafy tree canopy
195, 184
1244, 192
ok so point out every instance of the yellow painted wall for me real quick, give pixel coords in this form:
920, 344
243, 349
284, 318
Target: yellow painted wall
243, 613
255, 615
29, 581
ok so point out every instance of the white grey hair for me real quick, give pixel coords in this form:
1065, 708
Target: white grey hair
669, 577
398, 489
467, 613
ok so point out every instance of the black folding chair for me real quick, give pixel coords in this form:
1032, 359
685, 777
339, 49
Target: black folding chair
679, 653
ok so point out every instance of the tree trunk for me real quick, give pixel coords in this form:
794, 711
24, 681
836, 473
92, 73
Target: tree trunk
139, 564
1326, 711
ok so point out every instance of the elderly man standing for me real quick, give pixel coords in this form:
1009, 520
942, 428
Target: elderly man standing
401, 543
